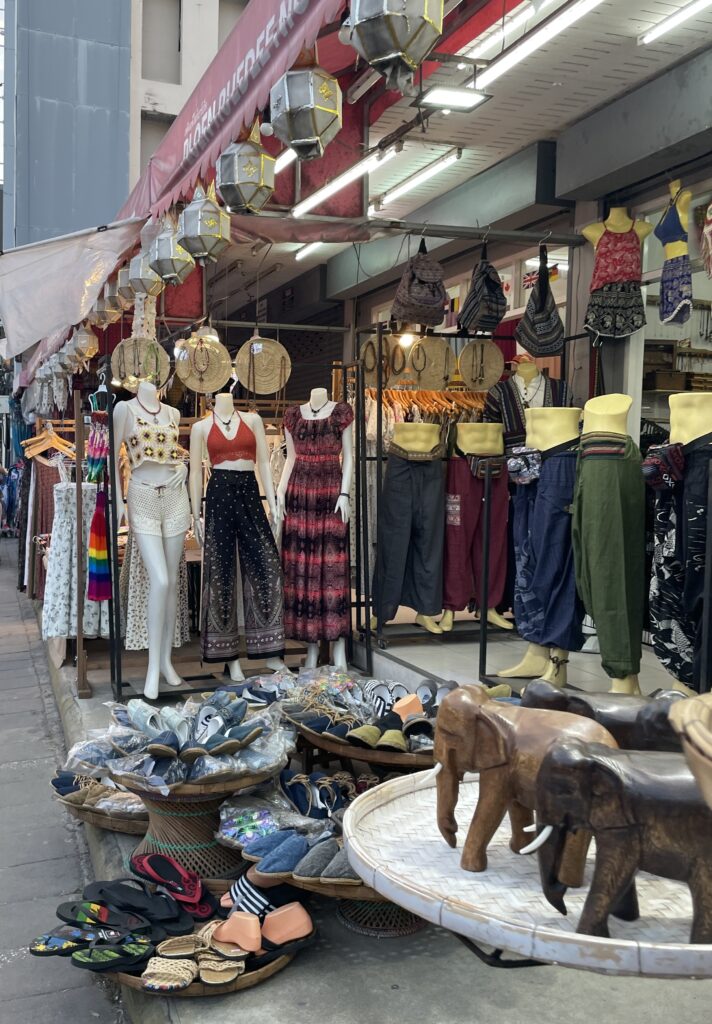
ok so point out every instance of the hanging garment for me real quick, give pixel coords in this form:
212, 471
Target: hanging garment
315, 541
97, 446
672, 633
615, 307
411, 535
464, 523
236, 530
134, 588
504, 404
547, 608
99, 585
698, 465
609, 546
676, 291
45, 479
59, 612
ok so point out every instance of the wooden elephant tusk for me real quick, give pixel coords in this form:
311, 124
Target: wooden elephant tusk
539, 841
432, 773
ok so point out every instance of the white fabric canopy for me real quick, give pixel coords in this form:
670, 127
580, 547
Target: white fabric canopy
47, 287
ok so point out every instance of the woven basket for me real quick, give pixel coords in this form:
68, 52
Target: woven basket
198, 988
132, 825
384, 758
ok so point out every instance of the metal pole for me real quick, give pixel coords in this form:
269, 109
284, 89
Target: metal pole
706, 650
379, 477
366, 579
358, 427
484, 581
114, 502
83, 688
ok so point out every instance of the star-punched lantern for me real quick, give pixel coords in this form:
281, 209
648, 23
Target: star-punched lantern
394, 36
305, 107
113, 297
85, 342
123, 286
204, 228
142, 279
245, 174
102, 314
168, 258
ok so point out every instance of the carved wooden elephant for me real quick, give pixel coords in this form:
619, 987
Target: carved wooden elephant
645, 812
636, 722
506, 744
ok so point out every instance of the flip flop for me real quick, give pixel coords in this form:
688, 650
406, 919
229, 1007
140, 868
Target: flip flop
88, 913
185, 886
204, 908
133, 895
162, 975
66, 939
134, 950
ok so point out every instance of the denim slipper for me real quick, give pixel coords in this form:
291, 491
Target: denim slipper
281, 862
207, 768
244, 734
327, 793
338, 731
297, 789
171, 770
339, 870
166, 744
144, 717
263, 845
319, 857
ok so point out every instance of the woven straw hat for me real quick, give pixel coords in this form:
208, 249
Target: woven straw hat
431, 363
137, 359
203, 363
263, 365
481, 364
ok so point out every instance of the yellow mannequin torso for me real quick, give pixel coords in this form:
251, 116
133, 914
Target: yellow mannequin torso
416, 437
607, 413
480, 438
618, 221
527, 371
682, 203
548, 428
690, 417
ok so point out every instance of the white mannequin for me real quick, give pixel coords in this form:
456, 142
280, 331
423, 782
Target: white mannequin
225, 413
319, 400
161, 555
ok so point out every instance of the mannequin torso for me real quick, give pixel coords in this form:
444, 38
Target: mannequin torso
690, 416
607, 414
146, 406
548, 428
680, 201
416, 437
618, 222
480, 438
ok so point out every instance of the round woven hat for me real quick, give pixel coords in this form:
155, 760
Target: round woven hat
263, 365
137, 359
481, 365
431, 363
203, 363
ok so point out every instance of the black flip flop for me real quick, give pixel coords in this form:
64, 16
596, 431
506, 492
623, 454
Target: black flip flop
273, 952
135, 896
89, 913
134, 950
67, 939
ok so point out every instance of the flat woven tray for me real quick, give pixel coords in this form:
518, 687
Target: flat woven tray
132, 825
384, 758
198, 988
195, 790
393, 842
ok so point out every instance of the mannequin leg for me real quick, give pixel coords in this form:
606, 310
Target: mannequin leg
628, 684
447, 621
154, 559
235, 670
532, 666
338, 653
429, 623
276, 664
556, 669
682, 688
312, 658
495, 619
173, 549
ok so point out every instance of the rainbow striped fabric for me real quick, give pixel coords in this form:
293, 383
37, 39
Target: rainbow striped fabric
99, 581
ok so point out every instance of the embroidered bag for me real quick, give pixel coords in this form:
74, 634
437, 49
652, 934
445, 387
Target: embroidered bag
421, 297
485, 304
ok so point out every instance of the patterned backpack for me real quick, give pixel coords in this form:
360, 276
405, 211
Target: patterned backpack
421, 297
540, 331
485, 305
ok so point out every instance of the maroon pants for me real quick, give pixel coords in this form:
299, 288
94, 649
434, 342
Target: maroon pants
463, 537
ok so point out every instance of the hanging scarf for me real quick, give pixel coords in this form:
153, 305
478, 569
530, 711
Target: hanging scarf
99, 582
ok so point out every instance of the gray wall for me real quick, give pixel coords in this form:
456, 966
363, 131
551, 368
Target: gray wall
67, 68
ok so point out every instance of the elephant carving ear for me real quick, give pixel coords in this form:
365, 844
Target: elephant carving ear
608, 803
490, 745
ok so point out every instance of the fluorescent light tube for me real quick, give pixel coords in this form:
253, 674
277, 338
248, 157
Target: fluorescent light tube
668, 24
365, 166
514, 23
422, 176
561, 264
285, 158
307, 250
530, 44
452, 97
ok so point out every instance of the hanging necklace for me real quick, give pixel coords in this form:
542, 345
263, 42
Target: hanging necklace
226, 423
526, 400
315, 412
150, 413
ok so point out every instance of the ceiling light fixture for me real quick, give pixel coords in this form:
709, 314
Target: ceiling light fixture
561, 264
285, 158
365, 166
529, 44
452, 97
515, 22
675, 20
420, 177
307, 250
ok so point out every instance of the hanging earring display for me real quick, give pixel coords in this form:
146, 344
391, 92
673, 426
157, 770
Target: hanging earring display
203, 363
140, 357
481, 365
263, 365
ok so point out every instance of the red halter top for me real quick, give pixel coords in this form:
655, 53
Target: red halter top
228, 449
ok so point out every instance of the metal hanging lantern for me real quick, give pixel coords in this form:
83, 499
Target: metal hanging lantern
245, 174
305, 107
144, 280
168, 258
102, 315
113, 297
394, 36
86, 342
204, 228
123, 286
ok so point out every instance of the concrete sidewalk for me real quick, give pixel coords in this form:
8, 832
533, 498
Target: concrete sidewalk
43, 857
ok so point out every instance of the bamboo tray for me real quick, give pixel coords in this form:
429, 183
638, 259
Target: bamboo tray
384, 758
132, 825
199, 988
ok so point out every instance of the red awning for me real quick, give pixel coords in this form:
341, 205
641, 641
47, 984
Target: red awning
264, 44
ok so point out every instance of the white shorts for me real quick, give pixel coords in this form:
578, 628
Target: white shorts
162, 511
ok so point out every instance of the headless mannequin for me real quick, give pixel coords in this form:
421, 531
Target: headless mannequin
479, 439
225, 413
609, 414
319, 400
529, 377
161, 555
546, 429
690, 418
618, 221
682, 205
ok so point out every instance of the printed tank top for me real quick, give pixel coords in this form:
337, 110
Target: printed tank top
617, 259
153, 442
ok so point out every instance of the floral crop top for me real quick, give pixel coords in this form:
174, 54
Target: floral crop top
153, 442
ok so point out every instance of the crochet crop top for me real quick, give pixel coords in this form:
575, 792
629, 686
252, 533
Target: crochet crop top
153, 442
229, 449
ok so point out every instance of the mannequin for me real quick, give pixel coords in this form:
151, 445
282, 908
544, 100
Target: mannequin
226, 423
610, 467
530, 381
679, 198
547, 429
527, 388
324, 581
158, 513
483, 439
618, 221
615, 306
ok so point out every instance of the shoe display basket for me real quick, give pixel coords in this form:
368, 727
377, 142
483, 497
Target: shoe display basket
393, 842
184, 823
199, 988
347, 752
130, 824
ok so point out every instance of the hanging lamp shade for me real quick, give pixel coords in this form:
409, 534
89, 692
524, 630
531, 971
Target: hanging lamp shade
245, 174
86, 342
144, 280
168, 258
394, 36
113, 298
123, 286
204, 228
305, 106
102, 315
